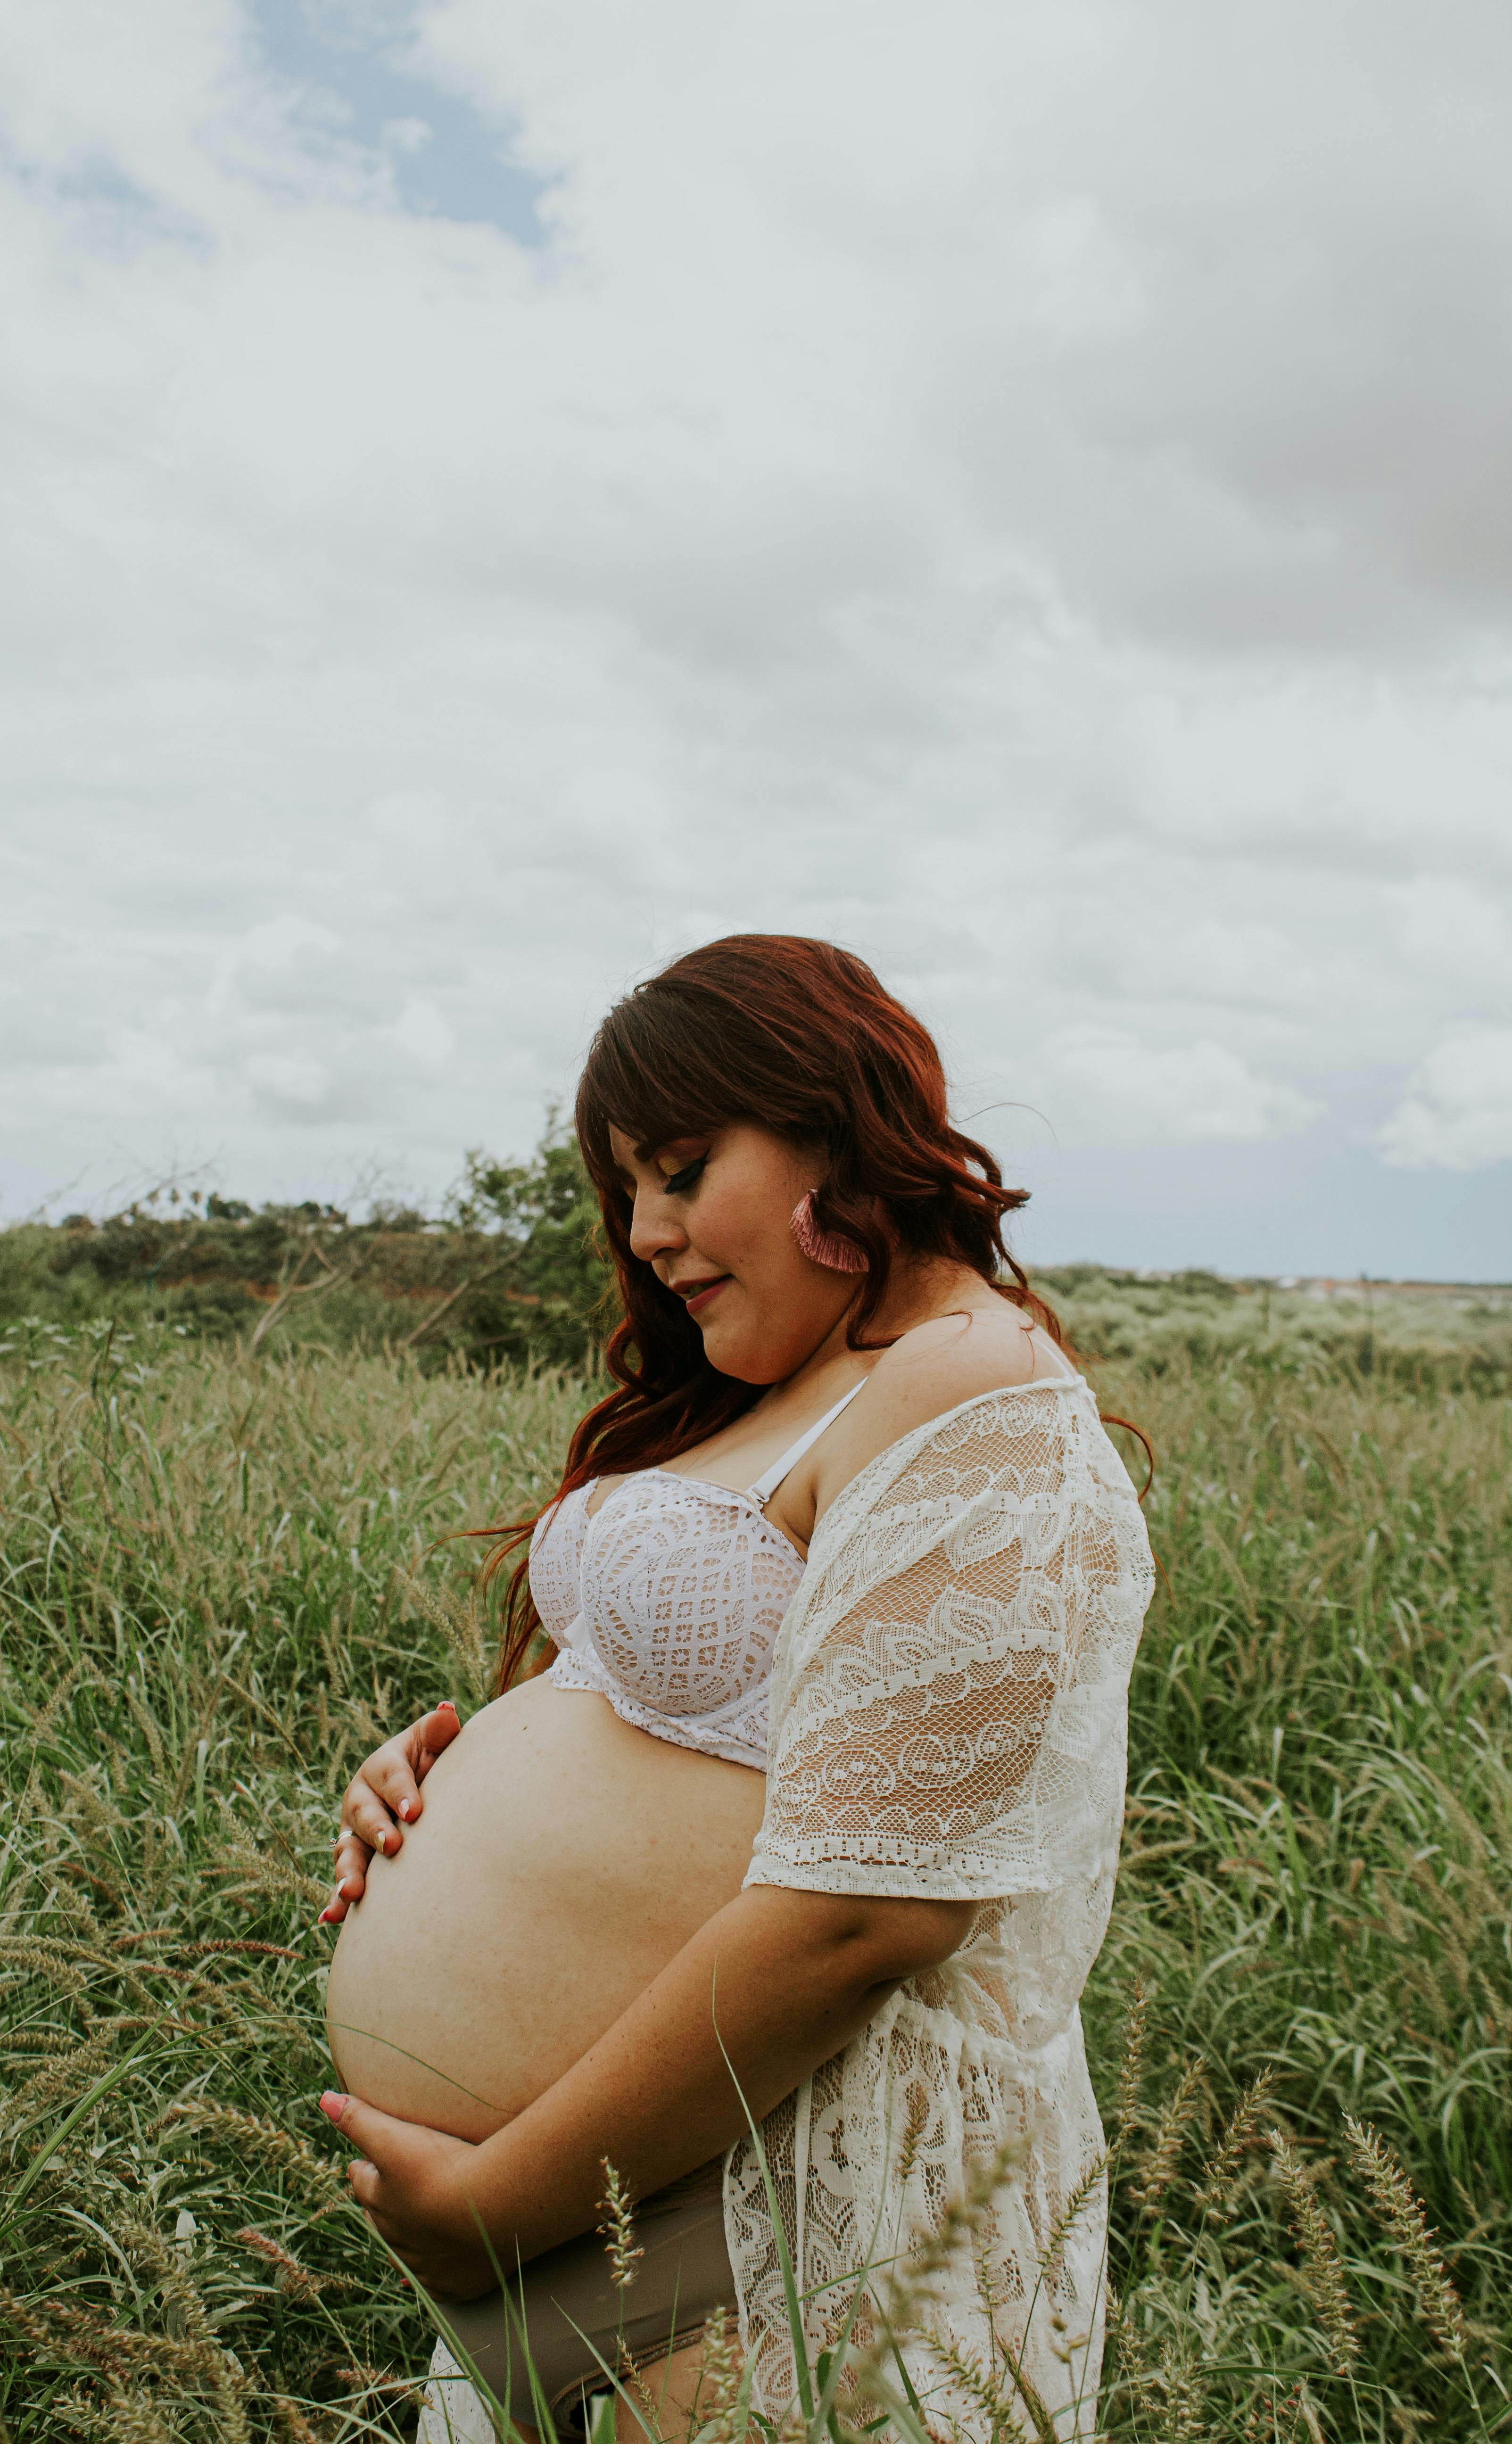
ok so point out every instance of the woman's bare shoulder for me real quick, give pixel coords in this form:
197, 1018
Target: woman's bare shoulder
955, 1357
932, 1370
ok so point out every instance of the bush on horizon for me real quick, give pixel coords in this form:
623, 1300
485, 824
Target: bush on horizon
510, 1269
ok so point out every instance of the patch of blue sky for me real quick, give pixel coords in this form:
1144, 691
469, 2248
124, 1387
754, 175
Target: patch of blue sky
444, 157
119, 212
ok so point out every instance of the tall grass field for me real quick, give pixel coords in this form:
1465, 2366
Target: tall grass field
1301, 2026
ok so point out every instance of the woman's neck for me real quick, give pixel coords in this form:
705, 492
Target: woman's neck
917, 1292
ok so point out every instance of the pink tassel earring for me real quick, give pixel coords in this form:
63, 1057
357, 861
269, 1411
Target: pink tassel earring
825, 1248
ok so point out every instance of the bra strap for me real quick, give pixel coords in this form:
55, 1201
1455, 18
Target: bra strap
765, 1486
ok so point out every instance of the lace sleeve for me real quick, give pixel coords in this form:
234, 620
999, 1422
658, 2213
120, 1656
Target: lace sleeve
949, 1708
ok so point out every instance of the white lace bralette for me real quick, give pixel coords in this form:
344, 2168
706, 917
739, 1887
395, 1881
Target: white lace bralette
668, 1600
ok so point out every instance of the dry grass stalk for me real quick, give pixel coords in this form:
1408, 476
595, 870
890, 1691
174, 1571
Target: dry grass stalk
301, 2281
40, 2041
67, 2076
618, 2228
717, 2417
961, 2219
1186, 2408
967, 2373
383, 2383
128, 2416
47, 1716
633, 2377
1241, 2133
40, 1959
1323, 2271
1052, 2257
249, 2133
1130, 2351
61, 2330
198, 1487
269, 1871
906, 2293
163, 2260
241, 1944
293, 2424
1046, 2428
1131, 2068
461, 1627
1174, 2119
1405, 2218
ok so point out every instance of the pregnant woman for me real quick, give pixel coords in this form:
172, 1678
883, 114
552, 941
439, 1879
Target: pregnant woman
844, 1581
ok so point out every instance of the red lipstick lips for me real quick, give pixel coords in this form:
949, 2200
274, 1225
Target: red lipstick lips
700, 1299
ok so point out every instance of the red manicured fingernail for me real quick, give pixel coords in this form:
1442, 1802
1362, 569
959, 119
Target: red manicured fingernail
445, 1705
402, 1811
333, 2105
327, 1918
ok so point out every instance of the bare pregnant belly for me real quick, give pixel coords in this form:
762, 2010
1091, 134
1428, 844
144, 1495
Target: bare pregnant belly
563, 1858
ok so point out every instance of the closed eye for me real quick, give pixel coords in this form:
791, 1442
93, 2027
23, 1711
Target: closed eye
680, 1182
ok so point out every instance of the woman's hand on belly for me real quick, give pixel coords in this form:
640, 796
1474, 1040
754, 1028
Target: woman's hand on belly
381, 1794
416, 2188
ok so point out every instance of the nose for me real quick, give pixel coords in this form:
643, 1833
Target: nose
654, 1229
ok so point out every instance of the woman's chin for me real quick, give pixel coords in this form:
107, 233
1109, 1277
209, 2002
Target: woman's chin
736, 1346
735, 1358
732, 1351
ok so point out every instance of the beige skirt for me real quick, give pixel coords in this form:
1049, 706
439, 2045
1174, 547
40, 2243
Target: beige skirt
564, 2317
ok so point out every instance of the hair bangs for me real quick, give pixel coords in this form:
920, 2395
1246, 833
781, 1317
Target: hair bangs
659, 1068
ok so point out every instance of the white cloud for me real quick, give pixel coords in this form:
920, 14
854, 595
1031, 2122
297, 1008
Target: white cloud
422, 1032
983, 483
1455, 934
274, 945
1106, 1086
1457, 1111
285, 1078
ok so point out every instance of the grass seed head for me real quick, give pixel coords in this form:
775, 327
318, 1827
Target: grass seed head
1322, 2269
1241, 2133
299, 2281
1052, 2257
247, 2135
1404, 2218
1172, 2126
997, 2420
1132, 2064
717, 2415
618, 2228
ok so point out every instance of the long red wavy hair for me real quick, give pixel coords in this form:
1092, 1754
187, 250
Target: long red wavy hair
799, 1037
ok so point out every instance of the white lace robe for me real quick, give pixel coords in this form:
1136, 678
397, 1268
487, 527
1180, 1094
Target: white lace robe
949, 1718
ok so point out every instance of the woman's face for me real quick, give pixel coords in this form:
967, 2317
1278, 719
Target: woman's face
713, 1219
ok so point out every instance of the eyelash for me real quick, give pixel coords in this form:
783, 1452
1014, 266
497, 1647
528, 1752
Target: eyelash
681, 1181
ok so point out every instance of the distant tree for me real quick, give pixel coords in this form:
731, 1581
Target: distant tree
547, 1208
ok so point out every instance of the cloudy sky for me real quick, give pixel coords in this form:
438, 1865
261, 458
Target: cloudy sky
497, 491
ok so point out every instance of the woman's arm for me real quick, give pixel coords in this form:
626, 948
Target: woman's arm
789, 1977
